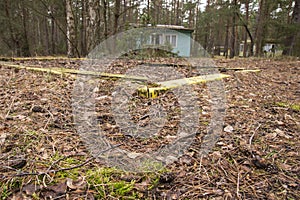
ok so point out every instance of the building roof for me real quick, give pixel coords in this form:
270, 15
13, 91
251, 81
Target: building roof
169, 26
174, 27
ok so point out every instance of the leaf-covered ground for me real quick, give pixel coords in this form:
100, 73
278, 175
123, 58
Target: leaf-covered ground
256, 157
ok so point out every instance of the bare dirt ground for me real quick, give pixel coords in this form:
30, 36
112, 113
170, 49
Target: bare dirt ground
256, 157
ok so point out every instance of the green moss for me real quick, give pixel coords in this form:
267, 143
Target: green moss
121, 188
72, 161
66, 163
281, 104
104, 181
295, 107
101, 175
107, 182
150, 166
205, 123
35, 196
73, 174
154, 182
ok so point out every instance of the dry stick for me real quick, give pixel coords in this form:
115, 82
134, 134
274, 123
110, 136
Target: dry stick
238, 186
68, 168
245, 175
51, 117
238, 179
9, 108
252, 136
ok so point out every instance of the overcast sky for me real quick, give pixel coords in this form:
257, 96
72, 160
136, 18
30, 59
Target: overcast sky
202, 5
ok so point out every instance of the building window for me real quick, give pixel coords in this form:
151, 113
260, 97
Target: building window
171, 39
156, 39
164, 39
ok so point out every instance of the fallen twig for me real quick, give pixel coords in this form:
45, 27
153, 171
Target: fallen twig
51, 117
9, 108
238, 185
252, 136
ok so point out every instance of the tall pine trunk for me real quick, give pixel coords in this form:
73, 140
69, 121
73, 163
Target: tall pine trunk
245, 50
92, 24
116, 16
70, 30
294, 36
226, 40
105, 10
233, 31
261, 26
83, 35
25, 50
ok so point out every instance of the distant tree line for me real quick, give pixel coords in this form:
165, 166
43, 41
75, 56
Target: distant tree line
75, 27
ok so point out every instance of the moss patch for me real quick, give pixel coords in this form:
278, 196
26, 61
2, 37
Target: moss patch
294, 107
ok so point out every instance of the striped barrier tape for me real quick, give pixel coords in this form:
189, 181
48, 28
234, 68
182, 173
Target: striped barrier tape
153, 92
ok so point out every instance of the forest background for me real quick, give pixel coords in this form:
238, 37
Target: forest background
75, 27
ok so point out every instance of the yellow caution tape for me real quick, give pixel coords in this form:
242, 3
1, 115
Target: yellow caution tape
61, 71
249, 70
153, 92
39, 58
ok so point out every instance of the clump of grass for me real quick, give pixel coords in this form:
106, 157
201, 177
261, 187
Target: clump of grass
4, 191
7, 188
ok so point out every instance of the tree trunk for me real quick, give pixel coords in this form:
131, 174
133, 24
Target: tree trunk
292, 39
70, 29
92, 24
206, 45
148, 12
108, 11
15, 44
47, 36
177, 13
124, 21
232, 41
116, 16
83, 31
25, 42
53, 50
226, 40
261, 22
105, 19
245, 50
249, 34
130, 13
259, 30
